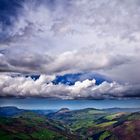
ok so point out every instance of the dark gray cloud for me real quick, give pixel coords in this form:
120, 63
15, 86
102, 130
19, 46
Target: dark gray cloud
9, 12
76, 61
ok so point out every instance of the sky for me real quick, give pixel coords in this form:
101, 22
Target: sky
70, 49
55, 104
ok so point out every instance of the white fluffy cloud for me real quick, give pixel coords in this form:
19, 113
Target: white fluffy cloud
43, 87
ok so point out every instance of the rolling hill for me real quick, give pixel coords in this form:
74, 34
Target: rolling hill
65, 124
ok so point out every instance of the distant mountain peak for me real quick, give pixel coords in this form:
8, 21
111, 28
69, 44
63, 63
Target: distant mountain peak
63, 110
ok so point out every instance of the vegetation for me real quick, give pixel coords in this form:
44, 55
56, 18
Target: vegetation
86, 124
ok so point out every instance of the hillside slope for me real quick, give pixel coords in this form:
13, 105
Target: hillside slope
28, 126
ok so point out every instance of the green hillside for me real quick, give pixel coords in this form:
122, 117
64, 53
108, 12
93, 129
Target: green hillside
85, 124
100, 125
29, 125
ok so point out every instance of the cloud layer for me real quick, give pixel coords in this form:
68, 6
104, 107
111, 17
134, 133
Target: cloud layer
43, 87
67, 62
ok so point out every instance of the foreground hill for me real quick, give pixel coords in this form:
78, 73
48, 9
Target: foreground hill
116, 127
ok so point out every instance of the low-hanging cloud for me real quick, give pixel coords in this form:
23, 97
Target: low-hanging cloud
43, 87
